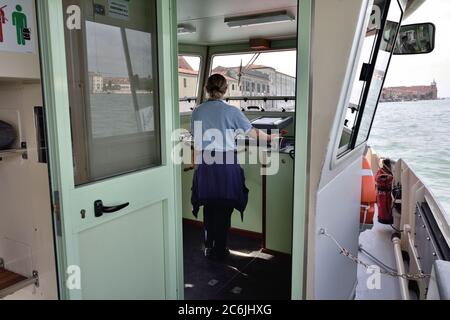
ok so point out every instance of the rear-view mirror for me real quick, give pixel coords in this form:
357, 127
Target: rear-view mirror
415, 39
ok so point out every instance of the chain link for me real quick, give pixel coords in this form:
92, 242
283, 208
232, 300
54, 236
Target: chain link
344, 252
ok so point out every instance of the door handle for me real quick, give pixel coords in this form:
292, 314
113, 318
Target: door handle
100, 209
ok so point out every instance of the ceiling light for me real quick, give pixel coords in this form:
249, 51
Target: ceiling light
260, 18
186, 29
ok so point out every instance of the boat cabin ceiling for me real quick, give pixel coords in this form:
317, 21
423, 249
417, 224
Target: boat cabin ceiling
210, 28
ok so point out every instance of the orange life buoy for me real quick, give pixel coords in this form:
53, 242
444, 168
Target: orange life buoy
368, 193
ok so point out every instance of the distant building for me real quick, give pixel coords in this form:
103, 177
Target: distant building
95, 82
281, 84
117, 84
187, 79
413, 93
255, 81
259, 81
252, 83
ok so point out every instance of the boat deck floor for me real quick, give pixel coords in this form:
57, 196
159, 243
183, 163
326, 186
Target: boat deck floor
377, 241
248, 274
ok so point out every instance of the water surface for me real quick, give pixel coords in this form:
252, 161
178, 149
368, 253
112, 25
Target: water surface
418, 132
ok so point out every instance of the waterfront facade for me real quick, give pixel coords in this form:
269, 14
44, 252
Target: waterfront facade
414, 93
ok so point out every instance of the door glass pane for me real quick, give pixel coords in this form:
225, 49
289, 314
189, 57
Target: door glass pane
113, 89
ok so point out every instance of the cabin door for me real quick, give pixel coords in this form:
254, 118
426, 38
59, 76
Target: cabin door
109, 70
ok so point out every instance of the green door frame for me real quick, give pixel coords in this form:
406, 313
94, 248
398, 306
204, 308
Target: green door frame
302, 132
178, 168
54, 79
51, 94
56, 91
303, 114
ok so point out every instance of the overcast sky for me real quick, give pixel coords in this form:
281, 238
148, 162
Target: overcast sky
422, 69
106, 53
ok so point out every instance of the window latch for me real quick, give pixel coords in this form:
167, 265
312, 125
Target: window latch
366, 72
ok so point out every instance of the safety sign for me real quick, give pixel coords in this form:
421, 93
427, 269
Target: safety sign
16, 26
119, 9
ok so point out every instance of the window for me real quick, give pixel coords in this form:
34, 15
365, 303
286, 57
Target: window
373, 65
260, 76
112, 69
188, 73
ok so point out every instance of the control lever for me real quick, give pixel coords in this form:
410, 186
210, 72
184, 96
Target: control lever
255, 108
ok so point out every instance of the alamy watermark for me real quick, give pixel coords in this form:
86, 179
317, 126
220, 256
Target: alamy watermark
374, 280
73, 281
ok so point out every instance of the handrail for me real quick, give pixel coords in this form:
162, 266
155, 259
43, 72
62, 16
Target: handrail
253, 98
400, 266
261, 98
188, 99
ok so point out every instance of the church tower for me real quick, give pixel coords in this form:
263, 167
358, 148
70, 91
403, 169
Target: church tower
434, 90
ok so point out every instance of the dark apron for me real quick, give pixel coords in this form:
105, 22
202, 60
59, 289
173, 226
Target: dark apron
222, 182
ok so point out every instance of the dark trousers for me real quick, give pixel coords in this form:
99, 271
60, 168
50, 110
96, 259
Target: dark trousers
217, 222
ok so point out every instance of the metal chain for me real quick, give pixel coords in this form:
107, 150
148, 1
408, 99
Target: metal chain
344, 252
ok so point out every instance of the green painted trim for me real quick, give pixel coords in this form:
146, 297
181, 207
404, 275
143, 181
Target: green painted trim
301, 177
192, 49
178, 169
168, 62
54, 79
48, 83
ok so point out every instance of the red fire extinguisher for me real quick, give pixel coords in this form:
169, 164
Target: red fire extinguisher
384, 179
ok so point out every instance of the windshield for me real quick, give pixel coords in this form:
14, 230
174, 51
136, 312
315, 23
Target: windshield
259, 80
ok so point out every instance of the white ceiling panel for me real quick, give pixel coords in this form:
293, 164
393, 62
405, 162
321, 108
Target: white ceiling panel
208, 15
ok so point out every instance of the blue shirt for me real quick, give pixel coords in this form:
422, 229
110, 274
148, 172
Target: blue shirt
215, 125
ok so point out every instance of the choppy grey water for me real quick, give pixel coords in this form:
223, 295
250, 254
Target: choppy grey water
418, 132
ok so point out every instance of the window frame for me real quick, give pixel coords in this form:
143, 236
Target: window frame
81, 121
344, 151
276, 47
199, 76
